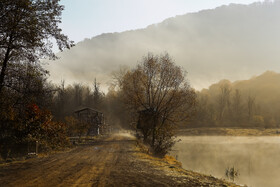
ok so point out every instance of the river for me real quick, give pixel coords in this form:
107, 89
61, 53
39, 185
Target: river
256, 159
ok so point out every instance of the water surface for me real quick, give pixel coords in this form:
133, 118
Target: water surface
257, 159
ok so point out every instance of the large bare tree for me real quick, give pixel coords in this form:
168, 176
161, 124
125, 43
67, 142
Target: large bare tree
158, 90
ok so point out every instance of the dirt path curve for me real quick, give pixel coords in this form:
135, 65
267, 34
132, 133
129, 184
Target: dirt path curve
110, 162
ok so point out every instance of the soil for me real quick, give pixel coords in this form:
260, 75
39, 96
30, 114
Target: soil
111, 161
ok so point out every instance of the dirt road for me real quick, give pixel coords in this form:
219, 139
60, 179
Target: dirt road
110, 162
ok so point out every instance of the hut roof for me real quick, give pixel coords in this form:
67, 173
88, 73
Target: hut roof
87, 108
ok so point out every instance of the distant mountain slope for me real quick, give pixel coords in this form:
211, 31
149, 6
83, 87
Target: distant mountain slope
233, 42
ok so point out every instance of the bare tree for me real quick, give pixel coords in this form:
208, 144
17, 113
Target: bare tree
237, 106
158, 89
250, 104
78, 96
223, 100
98, 95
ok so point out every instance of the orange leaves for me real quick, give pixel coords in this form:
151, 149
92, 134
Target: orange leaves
40, 126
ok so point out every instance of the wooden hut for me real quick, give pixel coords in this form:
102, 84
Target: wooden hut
93, 117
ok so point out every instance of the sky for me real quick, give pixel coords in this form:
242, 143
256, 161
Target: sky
88, 18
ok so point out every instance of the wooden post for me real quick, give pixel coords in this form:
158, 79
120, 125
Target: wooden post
37, 146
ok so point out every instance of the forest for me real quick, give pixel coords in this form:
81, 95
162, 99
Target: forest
245, 103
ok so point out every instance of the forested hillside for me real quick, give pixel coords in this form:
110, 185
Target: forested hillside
248, 103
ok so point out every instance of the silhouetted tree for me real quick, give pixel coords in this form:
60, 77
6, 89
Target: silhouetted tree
223, 100
158, 89
237, 106
98, 96
250, 106
26, 27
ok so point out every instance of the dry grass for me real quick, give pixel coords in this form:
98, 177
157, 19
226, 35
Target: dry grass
172, 161
144, 151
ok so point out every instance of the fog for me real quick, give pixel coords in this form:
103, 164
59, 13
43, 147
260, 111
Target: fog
125, 134
233, 42
255, 158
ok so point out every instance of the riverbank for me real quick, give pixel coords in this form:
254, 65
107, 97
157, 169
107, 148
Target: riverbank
228, 132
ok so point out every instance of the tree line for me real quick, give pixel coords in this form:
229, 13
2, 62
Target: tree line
226, 105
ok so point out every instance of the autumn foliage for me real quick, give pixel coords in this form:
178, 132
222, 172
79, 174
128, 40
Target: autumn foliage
41, 127
34, 125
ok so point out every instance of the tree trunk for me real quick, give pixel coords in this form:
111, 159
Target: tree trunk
154, 134
145, 137
3, 70
154, 131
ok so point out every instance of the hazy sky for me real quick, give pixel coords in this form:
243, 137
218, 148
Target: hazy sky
87, 18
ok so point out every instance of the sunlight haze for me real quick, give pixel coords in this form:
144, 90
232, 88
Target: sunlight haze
87, 18
110, 34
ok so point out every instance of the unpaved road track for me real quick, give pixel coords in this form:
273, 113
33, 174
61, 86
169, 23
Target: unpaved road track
109, 162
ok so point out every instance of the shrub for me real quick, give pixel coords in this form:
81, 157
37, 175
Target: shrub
34, 125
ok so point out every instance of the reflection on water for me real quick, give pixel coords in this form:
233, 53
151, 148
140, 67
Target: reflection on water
257, 159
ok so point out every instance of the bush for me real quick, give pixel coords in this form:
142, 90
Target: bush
34, 125
164, 140
258, 121
40, 127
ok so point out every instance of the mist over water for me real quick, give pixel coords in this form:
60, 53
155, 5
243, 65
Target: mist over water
255, 158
